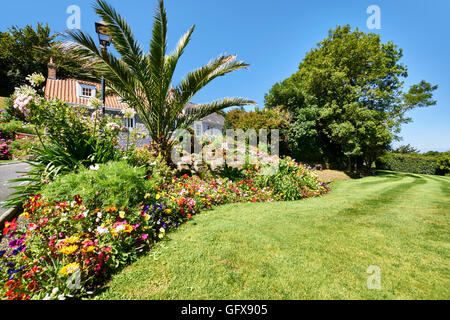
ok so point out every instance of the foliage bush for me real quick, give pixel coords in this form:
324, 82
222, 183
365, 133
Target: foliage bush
9, 129
22, 147
292, 181
444, 163
155, 166
413, 163
73, 140
111, 184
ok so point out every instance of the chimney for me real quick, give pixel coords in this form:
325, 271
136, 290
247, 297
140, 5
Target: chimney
51, 70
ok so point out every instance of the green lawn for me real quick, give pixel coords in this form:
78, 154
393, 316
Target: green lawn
311, 249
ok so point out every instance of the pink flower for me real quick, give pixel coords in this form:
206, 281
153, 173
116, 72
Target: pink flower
144, 236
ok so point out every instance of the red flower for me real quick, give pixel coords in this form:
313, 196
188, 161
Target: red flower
78, 199
9, 226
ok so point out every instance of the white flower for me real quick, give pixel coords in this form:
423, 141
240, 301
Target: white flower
23, 96
102, 230
128, 113
36, 79
96, 115
95, 168
120, 228
113, 126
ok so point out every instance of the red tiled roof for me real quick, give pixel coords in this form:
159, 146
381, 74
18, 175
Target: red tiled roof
66, 90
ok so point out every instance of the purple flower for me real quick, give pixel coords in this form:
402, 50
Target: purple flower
16, 242
21, 248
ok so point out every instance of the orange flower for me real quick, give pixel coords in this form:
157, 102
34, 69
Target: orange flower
111, 209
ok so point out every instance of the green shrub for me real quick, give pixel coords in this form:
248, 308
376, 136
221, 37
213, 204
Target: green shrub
444, 163
8, 129
413, 163
73, 140
155, 166
22, 148
292, 181
112, 184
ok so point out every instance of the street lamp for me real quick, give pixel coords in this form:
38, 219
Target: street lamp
104, 37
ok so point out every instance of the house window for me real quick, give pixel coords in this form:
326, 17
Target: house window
85, 91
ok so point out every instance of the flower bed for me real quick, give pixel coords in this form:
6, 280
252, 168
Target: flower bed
66, 249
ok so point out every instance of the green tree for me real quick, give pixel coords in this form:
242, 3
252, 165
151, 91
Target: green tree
17, 56
347, 99
406, 149
144, 80
27, 50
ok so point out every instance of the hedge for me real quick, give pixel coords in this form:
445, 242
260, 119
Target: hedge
413, 163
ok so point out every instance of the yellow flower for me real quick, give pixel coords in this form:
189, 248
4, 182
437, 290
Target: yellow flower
168, 211
70, 268
88, 249
158, 196
71, 240
128, 228
147, 195
161, 235
146, 217
26, 215
68, 250
122, 214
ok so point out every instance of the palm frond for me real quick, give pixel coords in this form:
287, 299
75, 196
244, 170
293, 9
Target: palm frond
123, 39
171, 60
199, 78
202, 110
158, 47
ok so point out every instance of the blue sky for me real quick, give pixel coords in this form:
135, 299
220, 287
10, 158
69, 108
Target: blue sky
274, 36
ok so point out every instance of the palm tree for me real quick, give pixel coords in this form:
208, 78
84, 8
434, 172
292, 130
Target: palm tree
144, 81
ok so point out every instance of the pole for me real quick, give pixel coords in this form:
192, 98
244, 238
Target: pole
104, 49
103, 95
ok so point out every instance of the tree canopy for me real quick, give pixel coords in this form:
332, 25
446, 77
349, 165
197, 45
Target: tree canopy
27, 50
347, 99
